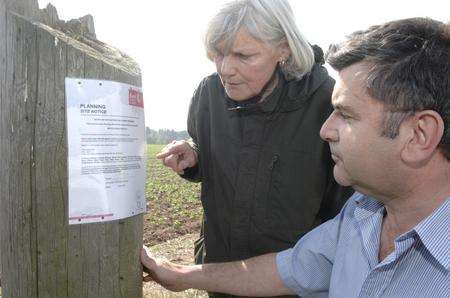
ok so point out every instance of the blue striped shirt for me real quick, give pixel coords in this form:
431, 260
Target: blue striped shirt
340, 257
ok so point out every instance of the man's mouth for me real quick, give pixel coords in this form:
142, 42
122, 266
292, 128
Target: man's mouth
334, 157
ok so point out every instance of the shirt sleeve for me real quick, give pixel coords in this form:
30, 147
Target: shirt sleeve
306, 268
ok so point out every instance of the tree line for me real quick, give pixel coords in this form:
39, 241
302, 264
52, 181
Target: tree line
164, 136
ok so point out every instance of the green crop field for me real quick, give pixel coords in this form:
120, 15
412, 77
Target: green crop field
173, 220
173, 203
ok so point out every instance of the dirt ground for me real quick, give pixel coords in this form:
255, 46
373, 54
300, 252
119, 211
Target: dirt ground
179, 250
174, 207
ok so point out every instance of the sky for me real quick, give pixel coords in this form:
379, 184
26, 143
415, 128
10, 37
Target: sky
166, 38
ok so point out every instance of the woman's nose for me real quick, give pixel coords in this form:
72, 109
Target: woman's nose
227, 67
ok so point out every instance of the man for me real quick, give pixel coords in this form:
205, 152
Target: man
390, 139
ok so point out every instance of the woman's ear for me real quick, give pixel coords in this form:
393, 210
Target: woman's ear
284, 51
423, 133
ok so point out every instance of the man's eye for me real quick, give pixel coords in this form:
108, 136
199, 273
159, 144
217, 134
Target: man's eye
345, 116
342, 115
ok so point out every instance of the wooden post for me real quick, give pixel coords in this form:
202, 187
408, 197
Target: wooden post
41, 255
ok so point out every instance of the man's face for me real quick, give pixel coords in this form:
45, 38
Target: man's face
364, 159
245, 68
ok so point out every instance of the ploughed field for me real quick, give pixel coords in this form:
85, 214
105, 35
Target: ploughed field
173, 220
174, 207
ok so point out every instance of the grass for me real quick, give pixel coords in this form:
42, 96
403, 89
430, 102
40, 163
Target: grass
174, 204
173, 221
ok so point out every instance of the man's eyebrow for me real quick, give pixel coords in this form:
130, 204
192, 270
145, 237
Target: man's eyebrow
345, 108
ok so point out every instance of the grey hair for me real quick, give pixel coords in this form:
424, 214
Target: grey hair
270, 21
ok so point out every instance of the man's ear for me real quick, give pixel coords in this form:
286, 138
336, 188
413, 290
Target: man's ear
423, 133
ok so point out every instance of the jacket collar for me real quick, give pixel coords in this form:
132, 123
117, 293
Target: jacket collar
288, 95
299, 91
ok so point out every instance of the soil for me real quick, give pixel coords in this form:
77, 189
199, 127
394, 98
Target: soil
154, 236
179, 250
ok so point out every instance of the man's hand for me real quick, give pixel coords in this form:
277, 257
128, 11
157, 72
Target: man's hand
178, 156
162, 272
253, 277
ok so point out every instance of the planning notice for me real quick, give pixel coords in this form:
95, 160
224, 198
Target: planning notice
106, 150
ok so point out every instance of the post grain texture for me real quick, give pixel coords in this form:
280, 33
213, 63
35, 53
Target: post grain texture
41, 255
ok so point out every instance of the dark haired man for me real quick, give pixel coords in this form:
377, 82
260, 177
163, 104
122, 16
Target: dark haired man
390, 139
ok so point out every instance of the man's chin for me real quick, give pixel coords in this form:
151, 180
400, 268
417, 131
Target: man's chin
341, 178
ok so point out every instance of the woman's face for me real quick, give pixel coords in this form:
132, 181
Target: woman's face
248, 65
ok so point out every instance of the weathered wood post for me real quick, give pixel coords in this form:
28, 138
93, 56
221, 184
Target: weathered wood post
41, 255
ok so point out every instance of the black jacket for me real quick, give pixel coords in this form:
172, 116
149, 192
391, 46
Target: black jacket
266, 175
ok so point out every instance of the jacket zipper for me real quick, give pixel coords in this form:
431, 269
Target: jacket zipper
272, 163
271, 167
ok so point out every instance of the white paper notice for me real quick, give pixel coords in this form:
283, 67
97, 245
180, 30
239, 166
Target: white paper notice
106, 139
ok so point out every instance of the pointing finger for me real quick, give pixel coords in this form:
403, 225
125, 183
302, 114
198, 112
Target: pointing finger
179, 147
172, 162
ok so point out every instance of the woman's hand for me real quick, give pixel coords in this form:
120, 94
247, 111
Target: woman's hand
178, 156
163, 272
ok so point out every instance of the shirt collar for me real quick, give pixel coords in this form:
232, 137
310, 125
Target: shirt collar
434, 232
365, 206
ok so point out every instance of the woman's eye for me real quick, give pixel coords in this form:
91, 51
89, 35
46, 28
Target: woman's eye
243, 57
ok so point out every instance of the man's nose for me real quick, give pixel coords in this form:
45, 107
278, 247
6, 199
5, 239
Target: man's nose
328, 132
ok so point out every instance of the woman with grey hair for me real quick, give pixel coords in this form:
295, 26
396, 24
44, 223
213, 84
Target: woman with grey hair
266, 174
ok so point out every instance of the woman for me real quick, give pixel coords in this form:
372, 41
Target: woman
266, 174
